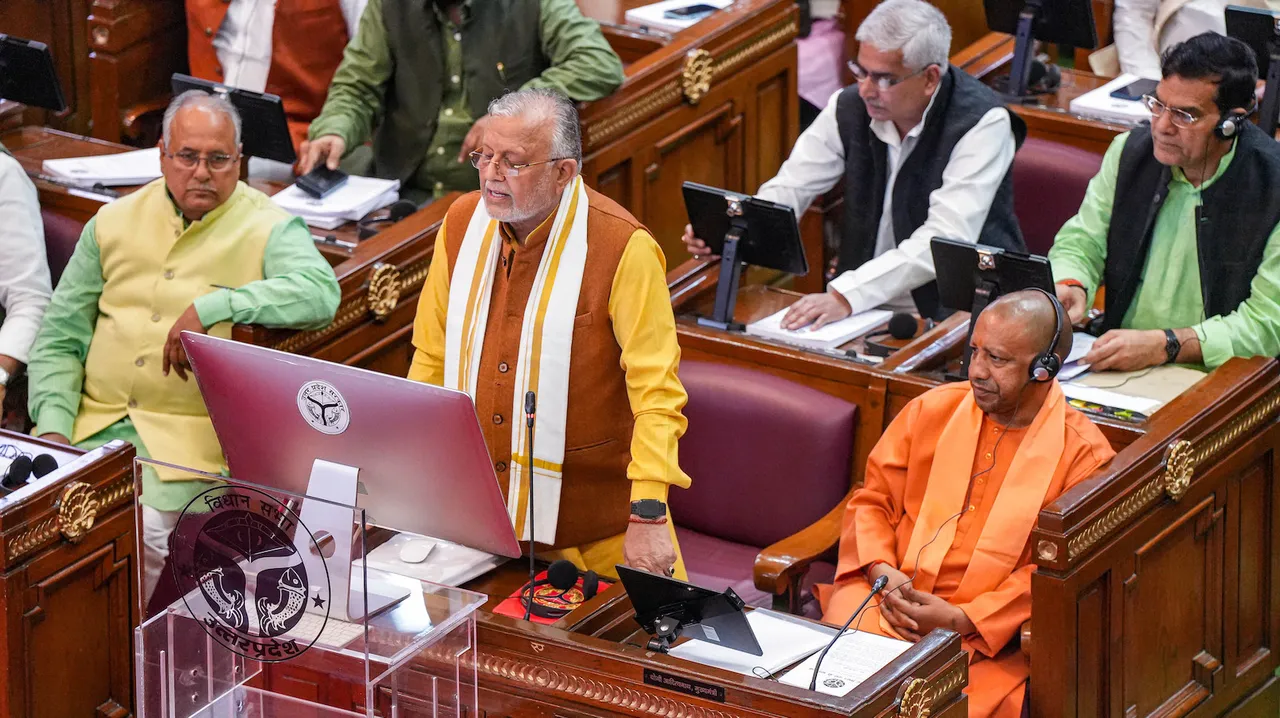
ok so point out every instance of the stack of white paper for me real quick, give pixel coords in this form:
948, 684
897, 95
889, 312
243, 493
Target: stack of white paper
654, 16
853, 659
784, 640
1099, 104
828, 337
125, 168
353, 200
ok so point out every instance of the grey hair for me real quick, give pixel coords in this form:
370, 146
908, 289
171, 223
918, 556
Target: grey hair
552, 108
915, 27
200, 98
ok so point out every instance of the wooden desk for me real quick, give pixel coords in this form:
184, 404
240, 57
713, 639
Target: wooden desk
1050, 117
66, 589
592, 663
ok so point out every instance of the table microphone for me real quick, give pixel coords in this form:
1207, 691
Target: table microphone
876, 587
530, 413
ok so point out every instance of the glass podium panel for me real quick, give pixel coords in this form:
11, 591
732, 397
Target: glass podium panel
245, 582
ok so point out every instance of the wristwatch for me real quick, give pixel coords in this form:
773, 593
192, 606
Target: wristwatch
1171, 346
4, 377
649, 509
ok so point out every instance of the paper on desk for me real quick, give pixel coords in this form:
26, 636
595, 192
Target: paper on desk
853, 659
1081, 343
784, 640
353, 200
1143, 391
125, 168
828, 337
654, 16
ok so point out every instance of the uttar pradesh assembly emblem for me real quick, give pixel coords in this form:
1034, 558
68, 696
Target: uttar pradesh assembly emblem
323, 408
250, 573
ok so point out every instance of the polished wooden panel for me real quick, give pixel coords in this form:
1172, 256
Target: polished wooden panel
137, 46
61, 25
68, 605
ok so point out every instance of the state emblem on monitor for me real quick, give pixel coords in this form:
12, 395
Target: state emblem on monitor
323, 407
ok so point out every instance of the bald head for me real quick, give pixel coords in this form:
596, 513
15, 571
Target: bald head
1031, 313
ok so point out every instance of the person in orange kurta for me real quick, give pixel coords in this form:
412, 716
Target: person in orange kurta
951, 493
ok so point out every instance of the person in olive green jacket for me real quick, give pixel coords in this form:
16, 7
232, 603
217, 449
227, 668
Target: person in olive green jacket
424, 71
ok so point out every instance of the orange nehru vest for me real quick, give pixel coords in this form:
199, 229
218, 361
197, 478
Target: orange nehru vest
307, 40
595, 495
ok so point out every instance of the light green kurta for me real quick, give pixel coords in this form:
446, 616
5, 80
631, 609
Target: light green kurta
1169, 295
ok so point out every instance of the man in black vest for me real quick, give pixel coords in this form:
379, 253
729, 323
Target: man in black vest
924, 150
1191, 262
424, 71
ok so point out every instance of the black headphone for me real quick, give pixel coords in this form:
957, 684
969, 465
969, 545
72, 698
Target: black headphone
1232, 122
1047, 365
378, 220
562, 575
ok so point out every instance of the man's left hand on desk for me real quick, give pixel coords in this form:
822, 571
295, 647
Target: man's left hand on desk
921, 612
818, 310
1127, 350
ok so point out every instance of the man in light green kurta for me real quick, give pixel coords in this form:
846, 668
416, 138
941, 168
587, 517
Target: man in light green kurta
1195, 278
422, 72
194, 251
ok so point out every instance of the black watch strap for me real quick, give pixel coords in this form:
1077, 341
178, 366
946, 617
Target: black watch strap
1172, 347
649, 509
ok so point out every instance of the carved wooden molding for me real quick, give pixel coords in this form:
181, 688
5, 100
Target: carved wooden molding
913, 699
917, 697
542, 678
1181, 459
76, 512
384, 290
695, 78
670, 93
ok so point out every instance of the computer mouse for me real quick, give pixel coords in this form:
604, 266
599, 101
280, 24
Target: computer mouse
416, 550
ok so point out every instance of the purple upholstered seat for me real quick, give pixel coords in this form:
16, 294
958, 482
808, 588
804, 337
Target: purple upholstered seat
767, 457
1049, 182
60, 236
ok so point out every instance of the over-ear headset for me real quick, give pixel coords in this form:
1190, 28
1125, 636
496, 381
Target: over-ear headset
1231, 123
562, 576
1047, 365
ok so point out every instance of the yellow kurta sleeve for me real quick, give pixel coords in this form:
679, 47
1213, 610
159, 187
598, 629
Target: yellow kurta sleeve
645, 328
428, 325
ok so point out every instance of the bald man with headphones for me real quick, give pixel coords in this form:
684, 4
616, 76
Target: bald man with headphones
1180, 224
951, 493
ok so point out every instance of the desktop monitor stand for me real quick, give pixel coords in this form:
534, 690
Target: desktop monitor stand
727, 285
985, 293
1015, 87
339, 484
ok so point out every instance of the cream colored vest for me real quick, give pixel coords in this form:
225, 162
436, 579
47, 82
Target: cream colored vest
152, 270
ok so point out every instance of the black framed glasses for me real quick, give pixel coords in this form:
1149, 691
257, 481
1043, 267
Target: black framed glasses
881, 80
1180, 118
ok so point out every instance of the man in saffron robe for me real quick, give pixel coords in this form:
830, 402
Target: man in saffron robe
951, 494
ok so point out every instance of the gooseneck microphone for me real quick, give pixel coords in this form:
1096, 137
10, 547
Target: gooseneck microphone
530, 414
877, 587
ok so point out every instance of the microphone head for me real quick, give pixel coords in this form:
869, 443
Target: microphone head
43, 464
903, 326
18, 473
879, 585
562, 574
401, 209
530, 404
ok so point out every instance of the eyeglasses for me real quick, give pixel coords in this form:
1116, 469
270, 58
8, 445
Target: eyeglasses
881, 80
1180, 118
189, 160
506, 168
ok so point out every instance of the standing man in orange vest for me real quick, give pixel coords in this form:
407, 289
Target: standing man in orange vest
289, 48
541, 284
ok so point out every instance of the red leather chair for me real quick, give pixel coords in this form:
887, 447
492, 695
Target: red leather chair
767, 458
1049, 182
60, 236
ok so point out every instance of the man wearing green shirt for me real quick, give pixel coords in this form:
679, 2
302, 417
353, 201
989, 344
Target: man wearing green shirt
1180, 224
195, 251
419, 75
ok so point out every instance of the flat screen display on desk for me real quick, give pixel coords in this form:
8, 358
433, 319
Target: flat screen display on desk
265, 129
963, 267
771, 236
27, 74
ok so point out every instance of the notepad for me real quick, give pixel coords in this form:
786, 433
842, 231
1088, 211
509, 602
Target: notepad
125, 168
784, 640
854, 658
353, 200
828, 337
